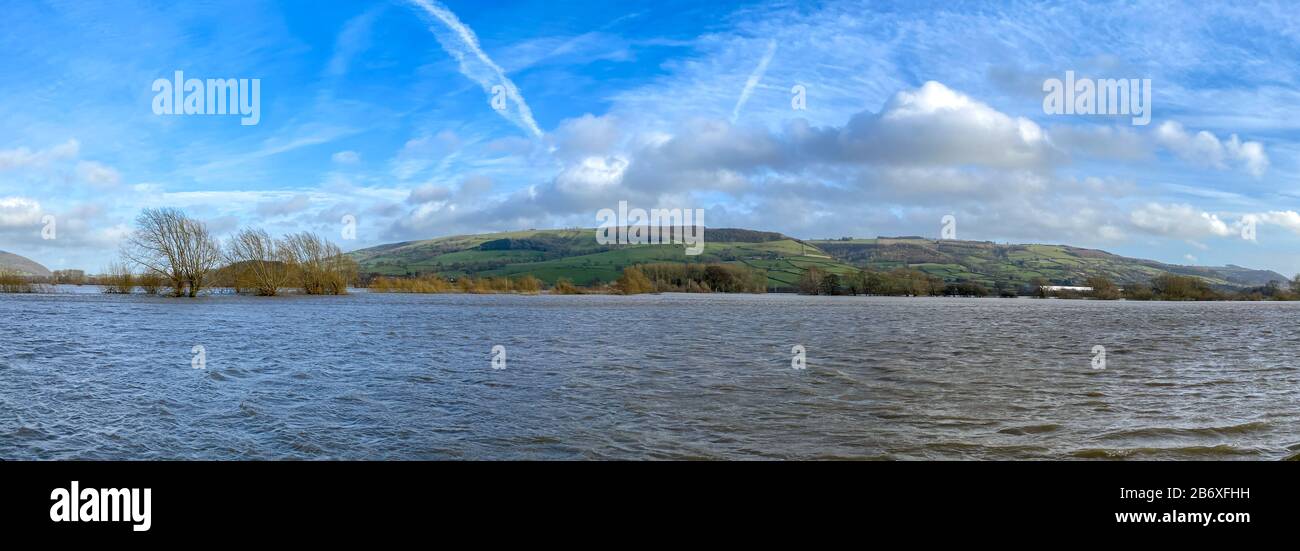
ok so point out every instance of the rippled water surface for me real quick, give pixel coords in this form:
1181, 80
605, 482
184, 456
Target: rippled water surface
89, 376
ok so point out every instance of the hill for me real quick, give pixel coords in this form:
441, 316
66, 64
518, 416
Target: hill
574, 254
988, 262
26, 266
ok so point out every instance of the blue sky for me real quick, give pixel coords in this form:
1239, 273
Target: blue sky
381, 111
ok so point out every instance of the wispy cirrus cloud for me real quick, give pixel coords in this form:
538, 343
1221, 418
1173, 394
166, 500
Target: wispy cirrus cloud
25, 157
753, 80
461, 42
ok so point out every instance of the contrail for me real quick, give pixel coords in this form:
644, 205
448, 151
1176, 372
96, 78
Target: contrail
754, 77
461, 42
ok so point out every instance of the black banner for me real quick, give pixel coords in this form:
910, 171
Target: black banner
1170, 501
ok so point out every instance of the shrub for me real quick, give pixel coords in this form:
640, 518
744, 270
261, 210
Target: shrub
12, 281
119, 279
150, 282
427, 284
565, 287
527, 284
634, 282
1103, 288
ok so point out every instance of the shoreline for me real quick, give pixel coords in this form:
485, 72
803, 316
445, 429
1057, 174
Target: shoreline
226, 292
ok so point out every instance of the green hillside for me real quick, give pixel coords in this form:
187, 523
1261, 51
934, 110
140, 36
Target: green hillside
574, 254
988, 262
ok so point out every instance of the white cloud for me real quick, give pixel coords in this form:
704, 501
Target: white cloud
19, 212
592, 175
1250, 154
351, 41
292, 205
1204, 149
1180, 220
98, 174
418, 154
934, 125
346, 157
588, 135
428, 193
1103, 142
1287, 219
461, 42
24, 157
753, 80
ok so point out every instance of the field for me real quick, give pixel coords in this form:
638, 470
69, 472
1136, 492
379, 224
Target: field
574, 254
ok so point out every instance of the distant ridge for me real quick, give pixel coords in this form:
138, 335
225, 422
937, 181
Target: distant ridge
24, 265
574, 254
989, 262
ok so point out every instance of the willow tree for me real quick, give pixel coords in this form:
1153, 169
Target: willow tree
259, 262
175, 247
319, 266
118, 279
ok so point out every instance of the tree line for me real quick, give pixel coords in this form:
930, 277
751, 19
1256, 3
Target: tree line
1180, 288
432, 284
170, 252
896, 282
684, 277
912, 282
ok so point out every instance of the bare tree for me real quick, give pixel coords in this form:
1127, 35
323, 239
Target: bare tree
342, 270
174, 246
118, 279
320, 266
149, 282
259, 262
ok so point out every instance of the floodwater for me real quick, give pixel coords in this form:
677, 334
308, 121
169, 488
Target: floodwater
377, 376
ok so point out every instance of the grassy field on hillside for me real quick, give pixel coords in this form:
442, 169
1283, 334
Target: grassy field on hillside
574, 254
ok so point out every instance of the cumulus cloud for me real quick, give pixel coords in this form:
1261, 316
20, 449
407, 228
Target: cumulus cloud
1289, 219
587, 135
1205, 149
443, 206
929, 151
933, 125
80, 227
19, 213
1181, 221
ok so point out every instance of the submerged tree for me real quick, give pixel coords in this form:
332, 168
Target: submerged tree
829, 285
633, 282
174, 246
319, 266
259, 262
811, 281
119, 279
1103, 288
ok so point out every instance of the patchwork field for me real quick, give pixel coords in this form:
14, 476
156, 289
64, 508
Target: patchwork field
574, 254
